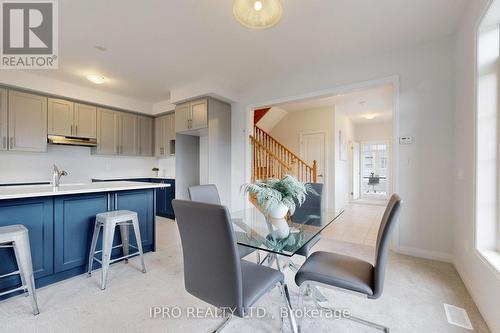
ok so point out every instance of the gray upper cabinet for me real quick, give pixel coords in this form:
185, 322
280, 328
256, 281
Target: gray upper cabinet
192, 116
85, 119
159, 148
199, 114
3, 119
128, 134
107, 132
145, 136
61, 117
71, 119
121, 133
182, 118
171, 127
27, 118
165, 135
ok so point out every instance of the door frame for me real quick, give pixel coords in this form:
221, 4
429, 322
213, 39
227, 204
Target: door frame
342, 89
326, 179
351, 170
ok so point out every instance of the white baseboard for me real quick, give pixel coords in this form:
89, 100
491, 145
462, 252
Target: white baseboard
426, 254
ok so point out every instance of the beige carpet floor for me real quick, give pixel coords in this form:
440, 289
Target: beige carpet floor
412, 302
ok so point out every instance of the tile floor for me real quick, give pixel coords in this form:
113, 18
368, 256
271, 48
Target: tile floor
414, 294
359, 224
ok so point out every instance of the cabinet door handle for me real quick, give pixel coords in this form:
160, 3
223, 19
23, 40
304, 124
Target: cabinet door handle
76, 130
11, 142
4, 142
71, 129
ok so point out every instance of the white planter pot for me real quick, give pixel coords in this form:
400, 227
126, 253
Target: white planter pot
279, 224
278, 212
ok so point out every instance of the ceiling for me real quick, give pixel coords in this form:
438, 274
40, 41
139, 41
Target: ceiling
156, 45
355, 105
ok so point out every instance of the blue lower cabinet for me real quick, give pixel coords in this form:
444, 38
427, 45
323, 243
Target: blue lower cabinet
169, 196
37, 216
164, 197
74, 220
61, 228
142, 202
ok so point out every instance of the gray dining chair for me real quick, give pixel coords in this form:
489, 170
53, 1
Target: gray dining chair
209, 194
213, 270
348, 273
310, 212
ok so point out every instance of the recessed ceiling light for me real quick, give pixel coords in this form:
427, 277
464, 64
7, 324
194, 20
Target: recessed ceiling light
257, 14
370, 116
96, 78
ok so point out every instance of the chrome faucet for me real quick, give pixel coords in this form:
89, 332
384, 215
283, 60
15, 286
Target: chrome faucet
56, 176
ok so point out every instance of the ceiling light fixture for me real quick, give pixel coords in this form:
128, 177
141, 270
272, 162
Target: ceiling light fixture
257, 14
370, 116
95, 78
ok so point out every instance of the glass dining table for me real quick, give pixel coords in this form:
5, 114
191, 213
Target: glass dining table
253, 229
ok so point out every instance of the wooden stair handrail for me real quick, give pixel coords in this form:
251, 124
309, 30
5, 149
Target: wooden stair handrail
275, 152
273, 155
285, 148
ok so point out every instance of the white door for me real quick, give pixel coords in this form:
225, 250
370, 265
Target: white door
356, 170
313, 148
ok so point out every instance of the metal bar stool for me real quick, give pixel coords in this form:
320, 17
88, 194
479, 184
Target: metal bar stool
108, 222
17, 238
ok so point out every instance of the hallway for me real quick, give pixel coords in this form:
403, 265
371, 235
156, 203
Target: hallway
359, 224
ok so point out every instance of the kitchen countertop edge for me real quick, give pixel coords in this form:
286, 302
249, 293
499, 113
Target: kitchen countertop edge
35, 191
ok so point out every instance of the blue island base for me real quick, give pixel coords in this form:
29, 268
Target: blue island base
60, 230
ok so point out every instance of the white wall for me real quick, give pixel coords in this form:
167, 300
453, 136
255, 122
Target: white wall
481, 280
78, 161
272, 118
167, 167
30, 81
426, 76
373, 132
162, 107
342, 167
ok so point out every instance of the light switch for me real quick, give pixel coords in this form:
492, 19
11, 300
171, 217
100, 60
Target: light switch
405, 140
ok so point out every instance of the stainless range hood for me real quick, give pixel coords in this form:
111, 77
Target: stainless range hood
71, 141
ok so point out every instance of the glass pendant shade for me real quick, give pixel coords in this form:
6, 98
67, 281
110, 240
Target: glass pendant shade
257, 14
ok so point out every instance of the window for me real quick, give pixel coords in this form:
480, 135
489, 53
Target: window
374, 173
487, 146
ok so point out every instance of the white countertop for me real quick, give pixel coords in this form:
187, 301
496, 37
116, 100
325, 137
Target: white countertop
24, 182
139, 177
31, 191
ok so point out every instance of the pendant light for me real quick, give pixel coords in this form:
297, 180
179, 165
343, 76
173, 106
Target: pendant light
257, 14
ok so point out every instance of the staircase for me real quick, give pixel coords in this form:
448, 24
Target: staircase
270, 158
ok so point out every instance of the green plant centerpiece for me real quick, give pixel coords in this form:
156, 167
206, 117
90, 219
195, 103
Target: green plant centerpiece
276, 198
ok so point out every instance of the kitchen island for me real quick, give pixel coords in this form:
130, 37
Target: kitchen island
164, 196
60, 223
